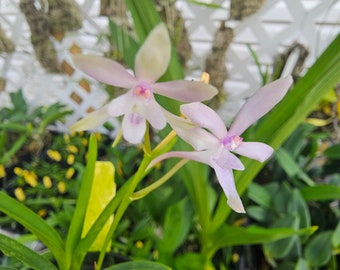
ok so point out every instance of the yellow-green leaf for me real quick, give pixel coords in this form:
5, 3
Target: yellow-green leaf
102, 192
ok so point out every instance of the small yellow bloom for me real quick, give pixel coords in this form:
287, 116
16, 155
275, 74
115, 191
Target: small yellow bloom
30, 178
70, 159
61, 187
85, 141
72, 149
47, 181
18, 171
2, 171
55, 155
98, 136
66, 138
20, 194
139, 244
235, 258
42, 212
70, 172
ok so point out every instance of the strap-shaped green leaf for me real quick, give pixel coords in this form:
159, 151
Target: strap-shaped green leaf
76, 227
15, 249
35, 224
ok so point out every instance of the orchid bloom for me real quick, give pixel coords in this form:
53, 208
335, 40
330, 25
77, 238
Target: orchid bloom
205, 131
138, 105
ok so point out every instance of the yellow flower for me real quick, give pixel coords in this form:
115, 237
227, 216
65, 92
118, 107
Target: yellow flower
84, 141
42, 212
61, 187
20, 194
70, 159
139, 244
98, 136
18, 171
72, 149
66, 138
55, 155
30, 178
2, 171
70, 172
47, 181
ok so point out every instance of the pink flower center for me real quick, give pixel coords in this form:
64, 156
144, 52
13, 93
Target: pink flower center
232, 142
143, 91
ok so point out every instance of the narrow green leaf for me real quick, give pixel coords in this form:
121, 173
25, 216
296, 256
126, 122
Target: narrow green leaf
321, 193
17, 250
76, 227
33, 223
139, 265
125, 44
227, 236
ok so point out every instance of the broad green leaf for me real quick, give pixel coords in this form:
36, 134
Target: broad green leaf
139, 265
318, 250
289, 165
191, 261
76, 226
102, 191
302, 264
333, 152
280, 248
13, 248
227, 236
34, 223
178, 221
321, 193
259, 195
258, 213
336, 236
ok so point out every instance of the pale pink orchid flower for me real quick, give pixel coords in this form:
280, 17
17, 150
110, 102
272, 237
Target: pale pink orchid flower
138, 105
214, 145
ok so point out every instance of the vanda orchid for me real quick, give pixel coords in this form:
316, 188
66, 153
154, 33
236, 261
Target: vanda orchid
138, 105
205, 131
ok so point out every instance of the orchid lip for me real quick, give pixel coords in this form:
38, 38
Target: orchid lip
143, 91
232, 142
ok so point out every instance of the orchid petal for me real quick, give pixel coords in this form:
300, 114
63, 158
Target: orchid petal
104, 70
154, 114
121, 105
197, 137
226, 180
227, 160
254, 150
134, 127
153, 57
205, 117
92, 120
259, 104
187, 91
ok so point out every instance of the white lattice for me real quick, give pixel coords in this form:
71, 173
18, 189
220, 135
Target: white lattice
275, 26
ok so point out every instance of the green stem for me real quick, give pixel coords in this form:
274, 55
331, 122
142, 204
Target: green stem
145, 191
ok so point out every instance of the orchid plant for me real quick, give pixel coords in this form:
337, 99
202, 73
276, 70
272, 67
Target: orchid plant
200, 127
203, 128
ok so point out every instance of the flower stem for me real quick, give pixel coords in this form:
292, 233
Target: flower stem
145, 191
